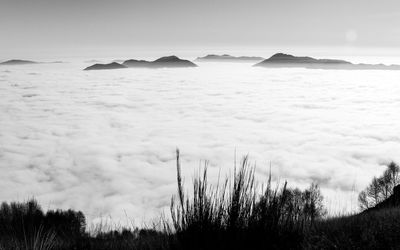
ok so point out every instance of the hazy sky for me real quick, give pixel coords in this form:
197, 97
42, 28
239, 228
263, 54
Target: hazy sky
77, 24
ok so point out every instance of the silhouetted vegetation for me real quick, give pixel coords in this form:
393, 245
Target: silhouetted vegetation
26, 226
380, 188
236, 213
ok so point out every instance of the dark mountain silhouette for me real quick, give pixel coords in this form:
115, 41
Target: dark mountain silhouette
172, 61
281, 60
285, 58
163, 62
132, 63
99, 66
229, 58
17, 62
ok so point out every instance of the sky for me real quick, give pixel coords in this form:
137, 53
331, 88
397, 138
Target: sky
76, 25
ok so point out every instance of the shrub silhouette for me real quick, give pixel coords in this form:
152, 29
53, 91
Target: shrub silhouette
25, 226
22, 227
235, 215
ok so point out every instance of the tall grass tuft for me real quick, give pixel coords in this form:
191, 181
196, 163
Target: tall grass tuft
235, 215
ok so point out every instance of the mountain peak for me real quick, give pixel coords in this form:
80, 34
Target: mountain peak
168, 59
98, 66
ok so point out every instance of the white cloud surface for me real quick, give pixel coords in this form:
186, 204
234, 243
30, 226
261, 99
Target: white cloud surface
104, 142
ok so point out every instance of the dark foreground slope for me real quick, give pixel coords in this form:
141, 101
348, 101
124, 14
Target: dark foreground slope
378, 229
281, 60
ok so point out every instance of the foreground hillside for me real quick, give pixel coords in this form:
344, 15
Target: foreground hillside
377, 229
232, 215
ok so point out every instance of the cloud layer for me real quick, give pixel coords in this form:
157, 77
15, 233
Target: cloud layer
104, 142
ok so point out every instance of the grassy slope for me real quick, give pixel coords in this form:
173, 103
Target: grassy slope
378, 229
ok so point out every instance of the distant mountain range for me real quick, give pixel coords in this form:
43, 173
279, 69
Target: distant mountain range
163, 62
281, 60
229, 58
24, 62
17, 62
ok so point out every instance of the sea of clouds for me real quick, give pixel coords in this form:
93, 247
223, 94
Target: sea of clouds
104, 141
